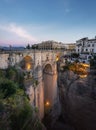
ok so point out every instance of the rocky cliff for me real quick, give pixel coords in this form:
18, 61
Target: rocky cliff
78, 99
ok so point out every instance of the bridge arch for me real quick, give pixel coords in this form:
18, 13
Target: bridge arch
48, 67
50, 86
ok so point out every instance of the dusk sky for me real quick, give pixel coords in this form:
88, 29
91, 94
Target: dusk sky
33, 21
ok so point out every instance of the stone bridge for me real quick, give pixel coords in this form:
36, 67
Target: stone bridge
40, 70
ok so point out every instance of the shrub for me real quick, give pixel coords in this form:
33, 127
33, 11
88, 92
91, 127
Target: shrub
7, 88
11, 73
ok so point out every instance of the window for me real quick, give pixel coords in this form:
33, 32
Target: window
86, 49
92, 50
92, 45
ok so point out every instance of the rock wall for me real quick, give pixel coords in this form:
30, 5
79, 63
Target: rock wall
4, 61
78, 99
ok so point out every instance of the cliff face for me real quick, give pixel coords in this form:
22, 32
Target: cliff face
78, 99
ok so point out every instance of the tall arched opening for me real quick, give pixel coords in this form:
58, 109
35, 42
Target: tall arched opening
50, 87
26, 63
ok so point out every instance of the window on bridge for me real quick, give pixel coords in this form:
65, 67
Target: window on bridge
26, 63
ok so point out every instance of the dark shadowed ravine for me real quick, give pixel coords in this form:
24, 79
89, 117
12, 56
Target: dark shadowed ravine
78, 103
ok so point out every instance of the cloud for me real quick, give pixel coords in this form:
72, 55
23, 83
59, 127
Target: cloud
19, 31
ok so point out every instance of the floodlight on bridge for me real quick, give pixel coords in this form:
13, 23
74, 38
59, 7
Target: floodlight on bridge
28, 66
57, 58
47, 103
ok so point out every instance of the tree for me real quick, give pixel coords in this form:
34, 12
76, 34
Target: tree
11, 74
74, 55
7, 88
93, 62
28, 46
15, 110
2, 74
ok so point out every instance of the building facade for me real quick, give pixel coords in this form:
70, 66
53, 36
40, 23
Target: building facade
70, 46
49, 45
86, 45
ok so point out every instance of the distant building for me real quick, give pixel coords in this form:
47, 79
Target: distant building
86, 45
49, 45
70, 47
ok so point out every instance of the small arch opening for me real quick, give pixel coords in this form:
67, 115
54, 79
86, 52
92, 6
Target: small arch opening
26, 63
48, 68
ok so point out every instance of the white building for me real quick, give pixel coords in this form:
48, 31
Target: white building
50, 45
86, 45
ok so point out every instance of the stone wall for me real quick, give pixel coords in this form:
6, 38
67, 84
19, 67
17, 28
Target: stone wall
15, 57
4, 61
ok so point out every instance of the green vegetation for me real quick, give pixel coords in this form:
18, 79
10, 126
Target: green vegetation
74, 55
31, 46
7, 88
93, 62
28, 46
16, 113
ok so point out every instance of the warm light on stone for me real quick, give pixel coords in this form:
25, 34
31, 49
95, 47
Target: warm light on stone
83, 76
28, 66
84, 70
47, 103
85, 65
57, 58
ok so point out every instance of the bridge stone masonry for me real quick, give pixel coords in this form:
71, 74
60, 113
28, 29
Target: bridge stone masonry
40, 79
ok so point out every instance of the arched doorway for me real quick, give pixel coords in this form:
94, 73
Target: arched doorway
26, 63
50, 87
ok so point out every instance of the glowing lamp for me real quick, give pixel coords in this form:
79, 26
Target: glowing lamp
47, 103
